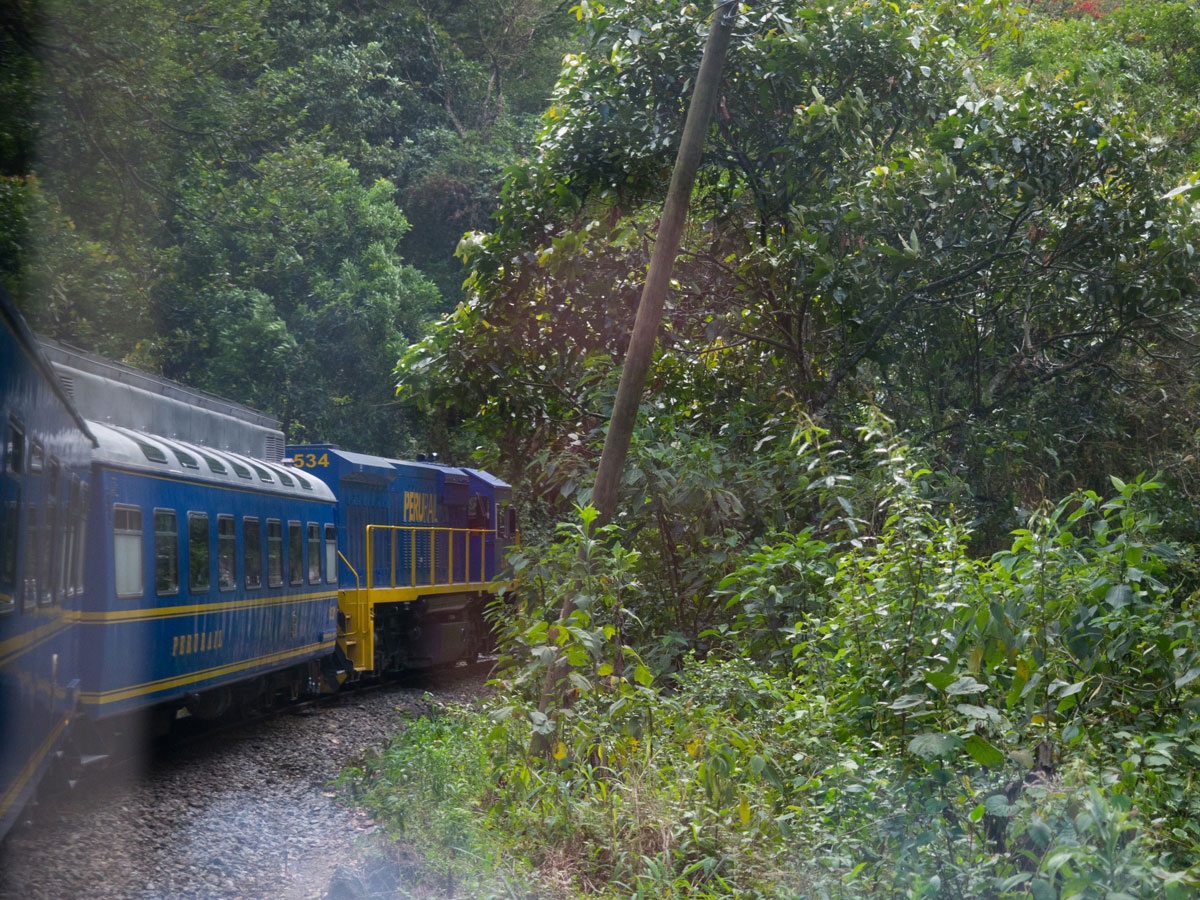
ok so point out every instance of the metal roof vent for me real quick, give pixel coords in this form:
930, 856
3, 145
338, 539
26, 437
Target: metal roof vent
274, 447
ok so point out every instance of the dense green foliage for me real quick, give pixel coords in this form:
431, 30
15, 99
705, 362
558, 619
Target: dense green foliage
891, 607
985, 253
933, 724
228, 192
919, 644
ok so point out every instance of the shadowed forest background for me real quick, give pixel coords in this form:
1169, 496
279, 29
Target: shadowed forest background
904, 567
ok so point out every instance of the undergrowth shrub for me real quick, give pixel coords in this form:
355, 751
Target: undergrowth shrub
876, 713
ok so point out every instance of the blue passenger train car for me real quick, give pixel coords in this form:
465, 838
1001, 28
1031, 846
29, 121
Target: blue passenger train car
210, 569
44, 496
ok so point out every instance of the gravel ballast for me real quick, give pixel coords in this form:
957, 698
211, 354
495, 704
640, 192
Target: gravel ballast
248, 813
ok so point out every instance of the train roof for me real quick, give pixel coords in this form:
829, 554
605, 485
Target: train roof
362, 466
117, 394
14, 322
127, 449
489, 478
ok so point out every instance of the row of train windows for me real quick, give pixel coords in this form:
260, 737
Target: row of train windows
128, 541
42, 541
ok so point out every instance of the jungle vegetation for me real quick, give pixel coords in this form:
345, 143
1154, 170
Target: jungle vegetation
900, 599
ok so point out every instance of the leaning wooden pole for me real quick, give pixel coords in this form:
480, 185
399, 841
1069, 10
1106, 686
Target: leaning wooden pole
666, 247
650, 309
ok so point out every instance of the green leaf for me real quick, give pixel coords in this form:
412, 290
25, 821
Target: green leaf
965, 685
579, 681
1188, 676
983, 752
642, 675
939, 680
974, 712
998, 805
933, 745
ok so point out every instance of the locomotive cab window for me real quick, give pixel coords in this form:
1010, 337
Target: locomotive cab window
314, 553
330, 554
295, 553
274, 553
36, 457
127, 550
226, 546
166, 552
478, 514
198, 553
252, 546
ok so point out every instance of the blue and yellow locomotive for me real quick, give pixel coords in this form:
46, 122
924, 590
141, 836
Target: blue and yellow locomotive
164, 575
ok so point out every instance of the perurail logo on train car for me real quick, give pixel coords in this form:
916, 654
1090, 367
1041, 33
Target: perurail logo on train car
420, 507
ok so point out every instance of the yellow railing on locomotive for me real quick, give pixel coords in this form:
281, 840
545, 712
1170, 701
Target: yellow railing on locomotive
472, 536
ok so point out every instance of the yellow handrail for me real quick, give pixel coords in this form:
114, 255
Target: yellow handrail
351, 568
432, 531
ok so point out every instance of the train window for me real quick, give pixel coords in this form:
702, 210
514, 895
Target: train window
214, 465
81, 537
263, 474
274, 553
330, 554
48, 556
14, 448
286, 479
127, 550
303, 482
242, 471
314, 553
252, 551
32, 537
56, 529
478, 515
67, 559
166, 552
36, 457
9, 546
295, 553
198, 553
151, 452
185, 459
226, 547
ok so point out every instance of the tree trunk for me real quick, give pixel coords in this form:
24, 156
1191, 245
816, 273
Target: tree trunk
649, 315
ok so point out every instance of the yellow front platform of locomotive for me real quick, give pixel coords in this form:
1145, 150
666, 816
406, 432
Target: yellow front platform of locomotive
357, 605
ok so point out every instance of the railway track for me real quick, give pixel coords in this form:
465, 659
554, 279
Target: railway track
236, 809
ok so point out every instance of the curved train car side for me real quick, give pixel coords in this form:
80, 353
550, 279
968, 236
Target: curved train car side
145, 577
44, 497
209, 568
